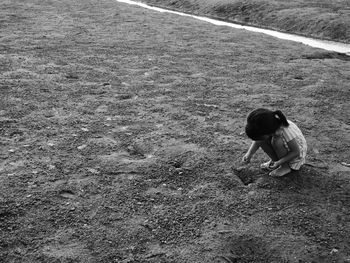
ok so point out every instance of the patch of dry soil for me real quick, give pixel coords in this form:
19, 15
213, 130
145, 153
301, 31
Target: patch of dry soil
121, 134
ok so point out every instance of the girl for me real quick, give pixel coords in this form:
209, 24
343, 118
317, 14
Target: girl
279, 138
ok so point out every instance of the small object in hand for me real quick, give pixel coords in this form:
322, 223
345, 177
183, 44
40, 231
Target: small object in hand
267, 166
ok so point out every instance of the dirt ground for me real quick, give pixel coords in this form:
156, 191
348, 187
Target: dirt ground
122, 131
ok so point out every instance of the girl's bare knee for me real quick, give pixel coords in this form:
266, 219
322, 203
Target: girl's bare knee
277, 141
278, 146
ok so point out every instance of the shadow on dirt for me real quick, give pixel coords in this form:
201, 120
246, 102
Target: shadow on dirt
319, 184
251, 249
296, 180
246, 249
247, 175
327, 55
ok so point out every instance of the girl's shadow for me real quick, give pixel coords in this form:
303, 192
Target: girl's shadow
296, 180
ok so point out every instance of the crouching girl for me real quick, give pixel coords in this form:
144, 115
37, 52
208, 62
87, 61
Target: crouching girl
279, 138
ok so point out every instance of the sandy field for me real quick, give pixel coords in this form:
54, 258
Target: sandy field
122, 133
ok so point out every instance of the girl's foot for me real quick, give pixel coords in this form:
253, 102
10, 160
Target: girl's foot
280, 171
267, 166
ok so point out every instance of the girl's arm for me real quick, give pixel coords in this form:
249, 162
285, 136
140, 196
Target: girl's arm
252, 149
293, 153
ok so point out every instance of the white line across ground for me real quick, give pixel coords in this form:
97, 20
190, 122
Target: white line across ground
323, 44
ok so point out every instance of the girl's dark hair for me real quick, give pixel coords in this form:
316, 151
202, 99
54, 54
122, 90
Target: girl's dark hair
262, 122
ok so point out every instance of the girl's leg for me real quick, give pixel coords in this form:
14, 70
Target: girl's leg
278, 146
266, 146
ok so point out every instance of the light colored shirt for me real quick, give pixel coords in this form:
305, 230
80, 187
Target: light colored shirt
293, 132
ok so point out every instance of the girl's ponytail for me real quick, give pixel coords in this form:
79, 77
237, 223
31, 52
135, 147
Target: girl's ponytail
280, 116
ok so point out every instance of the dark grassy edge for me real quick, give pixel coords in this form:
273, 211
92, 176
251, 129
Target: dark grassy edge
197, 12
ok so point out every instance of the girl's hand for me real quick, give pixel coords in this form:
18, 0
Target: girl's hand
246, 158
275, 165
